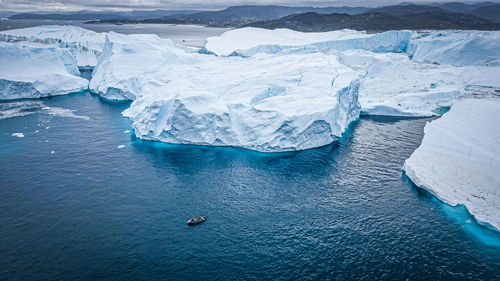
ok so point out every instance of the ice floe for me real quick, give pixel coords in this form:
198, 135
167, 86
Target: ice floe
34, 70
459, 159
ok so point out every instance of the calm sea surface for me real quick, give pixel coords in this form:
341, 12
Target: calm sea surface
75, 206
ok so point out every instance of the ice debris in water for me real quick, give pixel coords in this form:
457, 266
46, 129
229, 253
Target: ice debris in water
19, 135
23, 108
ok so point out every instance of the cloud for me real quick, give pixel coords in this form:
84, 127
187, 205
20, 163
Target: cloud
66, 5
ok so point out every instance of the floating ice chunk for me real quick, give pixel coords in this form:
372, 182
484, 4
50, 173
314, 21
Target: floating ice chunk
120, 146
268, 103
19, 135
119, 74
52, 152
86, 44
250, 41
33, 71
126, 131
394, 85
459, 48
459, 159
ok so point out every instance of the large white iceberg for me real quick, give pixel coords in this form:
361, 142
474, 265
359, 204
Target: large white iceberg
398, 78
459, 48
266, 103
459, 159
250, 41
87, 44
34, 70
394, 85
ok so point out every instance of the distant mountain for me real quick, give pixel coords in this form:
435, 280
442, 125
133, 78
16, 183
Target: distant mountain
487, 10
269, 12
105, 15
415, 17
6, 14
240, 15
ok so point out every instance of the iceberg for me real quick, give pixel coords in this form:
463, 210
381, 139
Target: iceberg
405, 73
86, 43
459, 159
31, 70
268, 103
128, 62
394, 85
250, 41
458, 48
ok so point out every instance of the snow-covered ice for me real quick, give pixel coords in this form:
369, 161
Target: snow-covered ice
19, 135
87, 44
394, 85
404, 73
267, 103
250, 41
459, 48
459, 159
127, 62
30, 70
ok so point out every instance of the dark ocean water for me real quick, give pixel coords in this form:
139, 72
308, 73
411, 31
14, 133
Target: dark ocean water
90, 210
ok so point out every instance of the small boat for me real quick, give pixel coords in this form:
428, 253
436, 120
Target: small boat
196, 220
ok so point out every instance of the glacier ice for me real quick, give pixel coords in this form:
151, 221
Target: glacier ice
459, 159
86, 43
393, 85
263, 89
398, 79
250, 41
30, 70
127, 61
458, 48
268, 103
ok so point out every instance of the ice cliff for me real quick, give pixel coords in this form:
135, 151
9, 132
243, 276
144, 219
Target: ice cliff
458, 48
266, 103
30, 70
459, 159
404, 73
86, 43
394, 85
250, 41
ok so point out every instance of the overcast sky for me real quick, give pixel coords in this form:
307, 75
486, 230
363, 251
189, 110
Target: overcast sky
29, 5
